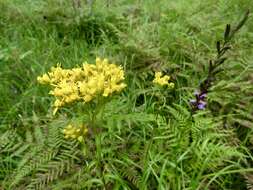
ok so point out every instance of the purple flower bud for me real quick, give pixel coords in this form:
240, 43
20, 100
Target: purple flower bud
201, 105
203, 96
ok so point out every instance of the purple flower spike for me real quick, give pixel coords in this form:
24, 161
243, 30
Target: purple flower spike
199, 102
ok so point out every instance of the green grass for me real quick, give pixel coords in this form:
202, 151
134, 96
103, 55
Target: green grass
148, 138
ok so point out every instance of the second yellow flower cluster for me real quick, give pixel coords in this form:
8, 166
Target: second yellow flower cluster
163, 80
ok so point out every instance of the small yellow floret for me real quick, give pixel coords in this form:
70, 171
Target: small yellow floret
44, 79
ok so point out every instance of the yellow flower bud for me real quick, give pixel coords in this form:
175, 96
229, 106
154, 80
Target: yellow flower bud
75, 132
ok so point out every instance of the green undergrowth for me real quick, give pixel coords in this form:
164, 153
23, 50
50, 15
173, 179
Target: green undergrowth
149, 138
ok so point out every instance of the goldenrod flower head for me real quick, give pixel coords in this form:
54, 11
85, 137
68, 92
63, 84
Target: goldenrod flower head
84, 83
163, 80
75, 132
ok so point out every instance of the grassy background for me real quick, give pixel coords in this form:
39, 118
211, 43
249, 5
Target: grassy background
177, 37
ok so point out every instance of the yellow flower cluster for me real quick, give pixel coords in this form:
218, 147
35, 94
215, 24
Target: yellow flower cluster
163, 80
83, 83
75, 132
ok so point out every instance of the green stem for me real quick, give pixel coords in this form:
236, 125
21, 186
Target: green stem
99, 156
